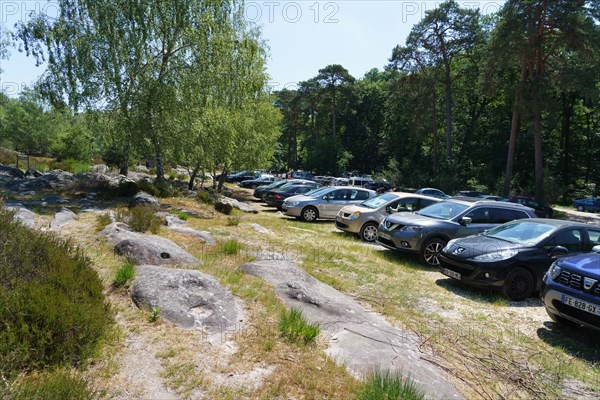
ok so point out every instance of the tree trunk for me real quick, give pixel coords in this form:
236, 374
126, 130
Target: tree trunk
448, 83
514, 126
160, 170
539, 162
568, 101
333, 132
193, 176
434, 129
224, 173
124, 163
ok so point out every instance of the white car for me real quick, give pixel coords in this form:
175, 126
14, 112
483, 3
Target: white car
324, 203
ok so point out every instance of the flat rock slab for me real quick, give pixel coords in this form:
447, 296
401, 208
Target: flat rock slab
358, 339
205, 236
258, 228
143, 249
63, 217
187, 298
143, 199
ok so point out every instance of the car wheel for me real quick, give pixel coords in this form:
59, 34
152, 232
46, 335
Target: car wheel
430, 251
368, 232
518, 285
309, 214
561, 320
580, 208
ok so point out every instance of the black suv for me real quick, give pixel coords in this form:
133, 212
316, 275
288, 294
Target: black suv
427, 231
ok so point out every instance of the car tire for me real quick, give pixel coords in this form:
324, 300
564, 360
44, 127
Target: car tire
368, 232
430, 251
519, 284
580, 208
561, 320
309, 214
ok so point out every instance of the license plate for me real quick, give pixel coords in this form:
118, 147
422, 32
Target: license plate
451, 273
383, 235
581, 305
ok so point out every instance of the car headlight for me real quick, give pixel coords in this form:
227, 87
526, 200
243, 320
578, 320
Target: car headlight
496, 256
554, 271
291, 203
354, 215
450, 243
411, 228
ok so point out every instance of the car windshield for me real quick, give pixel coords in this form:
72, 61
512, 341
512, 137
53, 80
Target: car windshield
378, 201
318, 192
521, 232
443, 210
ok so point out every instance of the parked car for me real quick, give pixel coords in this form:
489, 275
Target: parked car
275, 198
325, 202
432, 192
469, 193
514, 257
359, 181
262, 180
541, 210
378, 186
302, 175
571, 289
363, 219
591, 204
340, 182
427, 231
242, 176
260, 191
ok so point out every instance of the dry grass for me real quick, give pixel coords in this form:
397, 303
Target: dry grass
490, 348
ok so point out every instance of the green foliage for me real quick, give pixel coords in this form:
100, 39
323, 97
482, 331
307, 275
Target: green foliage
148, 187
144, 219
56, 385
231, 247
182, 215
102, 220
207, 196
233, 220
388, 385
71, 165
53, 309
294, 327
154, 314
124, 274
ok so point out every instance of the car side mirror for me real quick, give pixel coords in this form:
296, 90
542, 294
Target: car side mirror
558, 251
465, 221
596, 249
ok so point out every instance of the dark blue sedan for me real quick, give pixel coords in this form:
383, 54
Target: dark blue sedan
591, 204
571, 290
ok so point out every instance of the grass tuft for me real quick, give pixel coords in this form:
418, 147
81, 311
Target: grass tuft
55, 385
388, 385
124, 274
294, 326
102, 221
234, 220
231, 247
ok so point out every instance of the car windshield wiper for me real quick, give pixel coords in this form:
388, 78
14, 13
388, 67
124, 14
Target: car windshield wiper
499, 238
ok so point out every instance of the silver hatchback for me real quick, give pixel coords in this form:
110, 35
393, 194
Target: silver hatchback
325, 202
364, 218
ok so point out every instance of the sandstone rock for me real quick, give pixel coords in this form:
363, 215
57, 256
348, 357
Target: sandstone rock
22, 214
187, 298
205, 236
11, 172
225, 205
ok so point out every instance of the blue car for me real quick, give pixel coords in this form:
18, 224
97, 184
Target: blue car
571, 290
591, 204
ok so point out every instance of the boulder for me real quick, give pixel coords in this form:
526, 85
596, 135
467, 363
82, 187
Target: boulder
33, 173
11, 172
146, 249
187, 298
62, 217
205, 236
143, 199
92, 180
22, 214
139, 176
258, 228
53, 199
99, 169
226, 204
59, 179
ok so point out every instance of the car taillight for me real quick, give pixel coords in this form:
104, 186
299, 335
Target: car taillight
277, 196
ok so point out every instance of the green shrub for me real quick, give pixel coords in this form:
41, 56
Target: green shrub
172, 175
102, 220
182, 177
71, 165
148, 187
294, 326
207, 196
154, 314
389, 385
124, 274
55, 385
144, 219
234, 220
53, 311
231, 247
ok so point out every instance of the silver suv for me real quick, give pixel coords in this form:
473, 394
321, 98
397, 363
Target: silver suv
325, 202
364, 218
427, 231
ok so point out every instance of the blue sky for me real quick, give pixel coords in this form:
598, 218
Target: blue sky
303, 36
